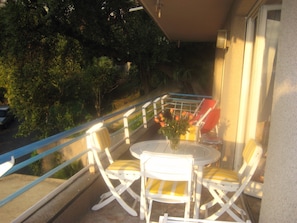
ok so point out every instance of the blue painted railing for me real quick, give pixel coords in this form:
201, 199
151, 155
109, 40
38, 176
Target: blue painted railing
123, 124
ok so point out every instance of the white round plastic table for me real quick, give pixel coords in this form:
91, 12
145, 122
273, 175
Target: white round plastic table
202, 155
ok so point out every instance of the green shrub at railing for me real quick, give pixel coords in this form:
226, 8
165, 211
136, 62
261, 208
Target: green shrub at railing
69, 170
36, 167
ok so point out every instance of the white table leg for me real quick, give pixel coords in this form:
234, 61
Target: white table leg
199, 177
142, 210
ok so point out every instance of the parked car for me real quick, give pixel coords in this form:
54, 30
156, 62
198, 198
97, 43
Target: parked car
6, 117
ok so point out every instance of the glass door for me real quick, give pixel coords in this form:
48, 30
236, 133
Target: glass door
266, 33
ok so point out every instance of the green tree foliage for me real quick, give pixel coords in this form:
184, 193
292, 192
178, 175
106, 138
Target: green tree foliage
59, 60
44, 58
147, 47
103, 77
43, 87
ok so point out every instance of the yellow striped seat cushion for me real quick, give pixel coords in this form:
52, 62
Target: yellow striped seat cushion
219, 174
124, 165
173, 188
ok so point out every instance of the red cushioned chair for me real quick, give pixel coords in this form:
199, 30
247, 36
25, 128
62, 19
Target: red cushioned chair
203, 109
208, 133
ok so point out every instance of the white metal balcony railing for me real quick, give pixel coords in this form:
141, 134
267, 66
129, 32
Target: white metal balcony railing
121, 124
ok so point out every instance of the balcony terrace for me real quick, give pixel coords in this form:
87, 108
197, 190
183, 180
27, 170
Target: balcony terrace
26, 198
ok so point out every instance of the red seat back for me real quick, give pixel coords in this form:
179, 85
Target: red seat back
211, 120
207, 104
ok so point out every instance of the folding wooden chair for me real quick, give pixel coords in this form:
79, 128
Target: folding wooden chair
211, 121
126, 171
208, 132
203, 109
166, 178
226, 186
200, 114
169, 219
202, 131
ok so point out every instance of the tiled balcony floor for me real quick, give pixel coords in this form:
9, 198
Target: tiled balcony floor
114, 213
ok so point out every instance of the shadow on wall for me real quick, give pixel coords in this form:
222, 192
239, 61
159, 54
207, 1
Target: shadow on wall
227, 151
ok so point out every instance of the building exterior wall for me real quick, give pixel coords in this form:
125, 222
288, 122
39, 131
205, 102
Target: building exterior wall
228, 70
279, 202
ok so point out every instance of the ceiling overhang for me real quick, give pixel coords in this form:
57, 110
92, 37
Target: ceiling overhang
189, 20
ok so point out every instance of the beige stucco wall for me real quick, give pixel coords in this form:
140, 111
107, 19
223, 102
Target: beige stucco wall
227, 85
279, 202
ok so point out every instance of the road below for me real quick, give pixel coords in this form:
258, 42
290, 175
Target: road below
9, 142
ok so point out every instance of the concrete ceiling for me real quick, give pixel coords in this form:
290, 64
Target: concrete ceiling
189, 20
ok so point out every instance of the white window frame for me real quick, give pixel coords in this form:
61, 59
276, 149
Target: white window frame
251, 85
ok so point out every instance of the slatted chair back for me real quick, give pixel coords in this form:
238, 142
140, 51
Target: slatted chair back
211, 121
207, 104
251, 157
203, 110
166, 178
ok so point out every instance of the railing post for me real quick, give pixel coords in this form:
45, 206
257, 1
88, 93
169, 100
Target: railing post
89, 139
91, 159
162, 102
144, 119
155, 107
126, 124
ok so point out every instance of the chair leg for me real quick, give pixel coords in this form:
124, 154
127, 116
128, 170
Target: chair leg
234, 206
103, 203
149, 211
133, 194
225, 206
187, 210
108, 194
115, 194
129, 190
208, 205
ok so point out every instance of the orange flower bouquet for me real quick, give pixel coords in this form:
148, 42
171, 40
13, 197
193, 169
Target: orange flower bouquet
173, 125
